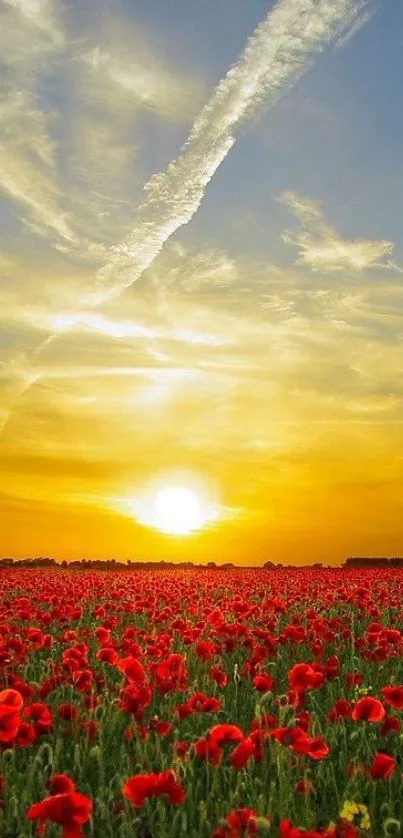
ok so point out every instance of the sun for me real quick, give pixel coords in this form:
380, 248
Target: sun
174, 508
178, 510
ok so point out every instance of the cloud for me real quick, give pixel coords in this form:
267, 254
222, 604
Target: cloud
30, 34
40, 14
31, 176
182, 270
31, 31
322, 249
24, 183
25, 127
352, 31
125, 74
130, 330
276, 55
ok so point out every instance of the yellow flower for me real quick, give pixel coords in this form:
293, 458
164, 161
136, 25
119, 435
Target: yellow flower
351, 809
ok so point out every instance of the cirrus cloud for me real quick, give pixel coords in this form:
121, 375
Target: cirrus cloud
321, 248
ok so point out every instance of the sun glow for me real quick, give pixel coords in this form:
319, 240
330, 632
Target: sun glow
178, 510
174, 508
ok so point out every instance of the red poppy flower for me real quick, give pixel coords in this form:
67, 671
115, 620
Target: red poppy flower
211, 704
36, 637
40, 716
181, 749
11, 699
203, 703
60, 783
107, 655
393, 636
141, 786
294, 737
287, 830
161, 727
304, 677
382, 766
340, 710
11, 702
242, 753
218, 676
393, 696
220, 734
205, 749
390, 723
134, 697
266, 720
332, 666
25, 735
103, 635
82, 680
132, 669
263, 683
204, 650
317, 748
302, 719
368, 709
9, 724
67, 712
170, 673
69, 809
353, 679
240, 822
183, 710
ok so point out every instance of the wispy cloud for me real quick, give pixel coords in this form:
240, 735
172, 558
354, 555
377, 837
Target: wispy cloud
130, 330
278, 53
31, 31
41, 14
353, 30
321, 248
127, 75
30, 34
37, 193
188, 271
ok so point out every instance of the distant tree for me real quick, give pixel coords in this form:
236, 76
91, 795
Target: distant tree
370, 561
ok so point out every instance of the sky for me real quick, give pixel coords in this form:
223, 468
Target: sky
201, 277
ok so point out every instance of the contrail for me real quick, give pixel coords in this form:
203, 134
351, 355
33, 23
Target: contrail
277, 54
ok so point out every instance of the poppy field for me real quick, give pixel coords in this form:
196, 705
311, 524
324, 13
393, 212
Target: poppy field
201, 703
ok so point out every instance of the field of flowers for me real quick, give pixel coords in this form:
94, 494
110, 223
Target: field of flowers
207, 704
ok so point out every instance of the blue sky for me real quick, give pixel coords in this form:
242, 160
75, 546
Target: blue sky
204, 267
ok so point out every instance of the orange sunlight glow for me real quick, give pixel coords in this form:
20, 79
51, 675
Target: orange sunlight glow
174, 508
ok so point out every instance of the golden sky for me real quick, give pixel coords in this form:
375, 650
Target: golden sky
236, 325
